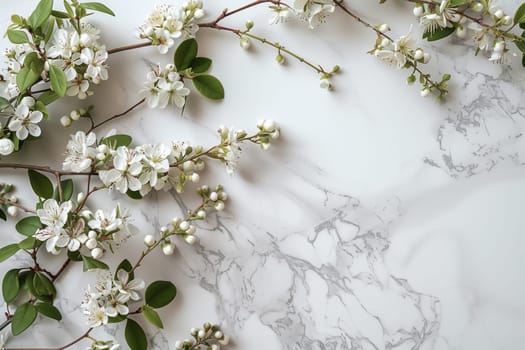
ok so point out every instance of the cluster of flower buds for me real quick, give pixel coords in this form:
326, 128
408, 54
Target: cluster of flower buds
210, 337
75, 115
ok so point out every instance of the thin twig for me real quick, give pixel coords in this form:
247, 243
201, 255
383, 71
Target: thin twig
94, 126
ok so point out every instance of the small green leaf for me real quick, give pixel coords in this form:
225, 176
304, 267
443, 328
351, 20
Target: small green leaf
134, 194
28, 243
519, 16
439, 33
2, 215
67, 190
8, 251
58, 80
209, 86
17, 36
160, 293
97, 6
116, 141
24, 316
126, 266
457, 3
185, 54
28, 226
69, 9
43, 286
41, 13
4, 103
41, 185
48, 310
10, 285
152, 316
90, 264
200, 65
135, 336
25, 78
75, 256
48, 97
60, 14
116, 319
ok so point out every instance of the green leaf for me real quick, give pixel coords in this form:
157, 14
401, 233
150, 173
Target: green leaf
135, 336
75, 256
48, 310
25, 78
58, 80
97, 6
152, 316
90, 264
41, 185
24, 316
519, 16
4, 103
43, 286
60, 14
2, 215
185, 54
17, 36
126, 266
134, 194
209, 86
41, 13
200, 65
27, 243
116, 319
8, 251
28, 226
69, 9
160, 293
10, 285
457, 3
48, 97
116, 141
67, 190
439, 33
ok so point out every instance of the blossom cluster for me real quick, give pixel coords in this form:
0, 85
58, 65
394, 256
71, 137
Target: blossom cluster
93, 232
210, 337
167, 23
110, 297
164, 87
465, 20
312, 11
157, 166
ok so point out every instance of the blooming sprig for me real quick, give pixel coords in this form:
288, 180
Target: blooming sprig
165, 87
313, 11
168, 23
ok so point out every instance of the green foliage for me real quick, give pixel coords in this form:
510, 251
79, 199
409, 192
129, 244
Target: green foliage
160, 294
97, 6
209, 86
185, 54
40, 14
41, 185
43, 287
58, 80
91, 264
134, 194
17, 36
8, 251
2, 215
24, 316
10, 285
28, 226
27, 243
152, 316
135, 336
48, 97
26, 78
116, 141
519, 16
200, 65
4, 103
48, 310
67, 190
439, 34
126, 266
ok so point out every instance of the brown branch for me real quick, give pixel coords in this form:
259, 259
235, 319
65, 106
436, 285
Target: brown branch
94, 126
44, 169
129, 47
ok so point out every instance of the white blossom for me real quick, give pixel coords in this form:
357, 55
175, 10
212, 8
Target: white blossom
25, 121
127, 168
314, 11
80, 152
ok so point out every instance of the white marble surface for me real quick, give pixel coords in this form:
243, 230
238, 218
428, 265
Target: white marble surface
381, 220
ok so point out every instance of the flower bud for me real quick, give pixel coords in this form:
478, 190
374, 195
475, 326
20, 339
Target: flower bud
269, 125
225, 340
249, 25
215, 347
191, 230
324, 83
65, 121
194, 331
426, 58
13, 198
219, 206
245, 43
418, 54
265, 146
97, 253
279, 58
178, 345
188, 166
507, 20
75, 115
92, 234
149, 240
199, 13
168, 248
6, 147
461, 32
499, 13
260, 123
201, 214
201, 333
195, 177
383, 28
12, 211
163, 230
184, 226
478, 7
218, 335
425, 92
190, 239
223, 196
91, 244
214, 196
418, 11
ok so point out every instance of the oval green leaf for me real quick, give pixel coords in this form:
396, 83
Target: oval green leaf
41, 13
209, 86
10, 285
41, 185
17, 36
439, 33
200, 65
48, 310
519, 16
28, 226
185, 54
152, 316
116, 141
97, 6
58, 80
24, 316
25, 78
91, 264
43, 286
135, 336
160, 293
28, 243
8, 251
